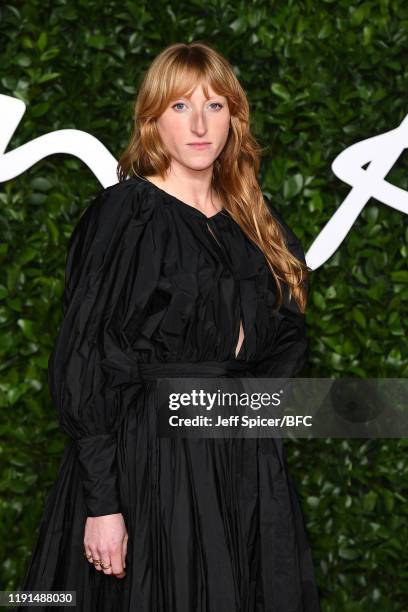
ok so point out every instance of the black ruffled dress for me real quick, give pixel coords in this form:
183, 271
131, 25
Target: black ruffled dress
214, 525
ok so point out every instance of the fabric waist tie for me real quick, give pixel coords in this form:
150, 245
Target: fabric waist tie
203, 369
121, 369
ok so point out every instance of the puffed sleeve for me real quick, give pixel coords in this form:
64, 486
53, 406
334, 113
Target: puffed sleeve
288, 352
112, 269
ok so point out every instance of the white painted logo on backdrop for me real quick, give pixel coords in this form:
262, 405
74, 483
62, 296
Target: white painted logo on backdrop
379, 152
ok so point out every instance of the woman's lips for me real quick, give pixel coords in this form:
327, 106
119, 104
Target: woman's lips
199, 146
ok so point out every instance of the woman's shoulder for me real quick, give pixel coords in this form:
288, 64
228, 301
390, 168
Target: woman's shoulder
117, 210
126, 200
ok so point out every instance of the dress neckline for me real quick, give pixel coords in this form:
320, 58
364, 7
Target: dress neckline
183, 204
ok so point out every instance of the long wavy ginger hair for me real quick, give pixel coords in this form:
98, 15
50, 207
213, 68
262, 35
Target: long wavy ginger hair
174, 72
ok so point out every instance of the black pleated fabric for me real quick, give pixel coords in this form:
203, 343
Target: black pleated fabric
214, 525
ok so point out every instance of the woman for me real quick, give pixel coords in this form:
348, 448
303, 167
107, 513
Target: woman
183, 269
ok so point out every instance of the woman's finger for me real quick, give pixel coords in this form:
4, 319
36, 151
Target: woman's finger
124, 549
106, 564
117, 564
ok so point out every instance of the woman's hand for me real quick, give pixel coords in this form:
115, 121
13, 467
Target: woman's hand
105, 539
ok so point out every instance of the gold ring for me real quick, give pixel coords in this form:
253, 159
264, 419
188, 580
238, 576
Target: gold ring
105, 566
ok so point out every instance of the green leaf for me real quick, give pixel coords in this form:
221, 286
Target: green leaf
369, 501
49, 76
359, 317
292, 186
280, 90
42, 41
400, 276
350, 554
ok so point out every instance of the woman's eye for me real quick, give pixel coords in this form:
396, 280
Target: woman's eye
182, 103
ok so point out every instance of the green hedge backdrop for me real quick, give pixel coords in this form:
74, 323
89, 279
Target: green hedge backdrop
320, 75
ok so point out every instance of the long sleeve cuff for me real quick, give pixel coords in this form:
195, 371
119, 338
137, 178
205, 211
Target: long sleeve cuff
97, 465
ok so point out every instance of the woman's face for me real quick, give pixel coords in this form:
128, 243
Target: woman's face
195, 119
